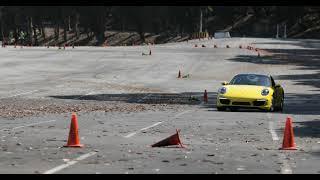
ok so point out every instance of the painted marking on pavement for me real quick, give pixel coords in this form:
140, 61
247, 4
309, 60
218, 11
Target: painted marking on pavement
32, 124
69, 163
136, 132
285, 167
272, 132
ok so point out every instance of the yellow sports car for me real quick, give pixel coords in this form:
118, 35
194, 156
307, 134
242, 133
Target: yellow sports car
250, 91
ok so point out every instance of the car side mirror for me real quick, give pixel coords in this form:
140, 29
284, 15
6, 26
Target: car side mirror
224, 83
277, 86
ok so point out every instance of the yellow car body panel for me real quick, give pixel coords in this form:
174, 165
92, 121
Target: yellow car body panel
245, 96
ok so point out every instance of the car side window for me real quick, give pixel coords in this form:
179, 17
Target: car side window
272, 82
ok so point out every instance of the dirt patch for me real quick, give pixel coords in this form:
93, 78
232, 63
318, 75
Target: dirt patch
17, 108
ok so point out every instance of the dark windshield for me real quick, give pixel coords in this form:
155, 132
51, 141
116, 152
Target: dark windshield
251, 79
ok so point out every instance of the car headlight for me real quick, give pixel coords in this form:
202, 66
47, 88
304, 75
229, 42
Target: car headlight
222, 90
264, 92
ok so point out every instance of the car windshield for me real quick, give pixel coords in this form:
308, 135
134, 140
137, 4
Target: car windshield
251, 79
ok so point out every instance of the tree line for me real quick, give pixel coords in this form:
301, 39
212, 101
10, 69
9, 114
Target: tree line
26, 24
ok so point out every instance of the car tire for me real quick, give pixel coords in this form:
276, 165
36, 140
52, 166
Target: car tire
281, 104
221, 108
272, 107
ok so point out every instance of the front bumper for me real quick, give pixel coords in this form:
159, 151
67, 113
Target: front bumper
260, 103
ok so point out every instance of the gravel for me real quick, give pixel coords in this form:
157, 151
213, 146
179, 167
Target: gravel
12, 108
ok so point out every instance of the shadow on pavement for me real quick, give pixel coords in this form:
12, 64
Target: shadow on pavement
307, 129
303, 59
294, 103
188, 98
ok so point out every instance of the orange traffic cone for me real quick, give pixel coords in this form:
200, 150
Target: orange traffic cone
74, 140
205, 96
179, 74
288, 138
172, 140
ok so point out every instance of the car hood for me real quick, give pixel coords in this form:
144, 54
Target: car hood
245, 91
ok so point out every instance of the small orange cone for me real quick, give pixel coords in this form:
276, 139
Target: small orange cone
179, 74
205, 96
74, 140
172, 140
288, 138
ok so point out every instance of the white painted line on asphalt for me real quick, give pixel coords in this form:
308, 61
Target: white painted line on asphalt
184, 112
285, 168
272, 132
151, 126
69, 163
136, 132
92, 92
24, 93
32, 124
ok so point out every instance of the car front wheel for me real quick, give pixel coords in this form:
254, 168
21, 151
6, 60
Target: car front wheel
281, 104
272, 109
